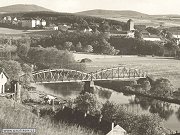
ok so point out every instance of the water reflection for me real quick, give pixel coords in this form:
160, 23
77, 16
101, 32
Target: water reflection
144, 102
162, 108
104, 94
65, 90
132, 103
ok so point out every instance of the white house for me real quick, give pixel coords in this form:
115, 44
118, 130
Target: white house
38, 22
117, 130
43, 23
32, 23
176, 35
3, 81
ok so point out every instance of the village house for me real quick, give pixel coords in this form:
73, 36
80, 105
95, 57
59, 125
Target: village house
32, 23
52, 27
88, 29
151, 38
6, 19
15, 21
176, 36
43, 22
117, 130
62, 28
3, 80
29, 23
38, 22
122, 34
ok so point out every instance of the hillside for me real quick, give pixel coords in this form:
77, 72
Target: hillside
112, 13
22, 8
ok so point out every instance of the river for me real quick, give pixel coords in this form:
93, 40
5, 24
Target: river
136, 104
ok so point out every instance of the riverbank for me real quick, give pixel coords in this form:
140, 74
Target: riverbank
116, 86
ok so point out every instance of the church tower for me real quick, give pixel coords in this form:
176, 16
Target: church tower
130, 25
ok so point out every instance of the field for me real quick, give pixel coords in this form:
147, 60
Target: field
14, 32
156, 67
153, 22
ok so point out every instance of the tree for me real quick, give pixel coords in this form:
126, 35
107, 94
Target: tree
152, 30
23, 50
146, 86
88, 48
162, 87
109, 111
104, 27
27, 77
83, 24
53, 58
137, 34
170, 46
68, 45
78, 47
87, 102
148, 124
12, 68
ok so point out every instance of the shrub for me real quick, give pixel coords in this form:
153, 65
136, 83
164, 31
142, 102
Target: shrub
12, 68
137, 124
88, 102
53, 58
162, 87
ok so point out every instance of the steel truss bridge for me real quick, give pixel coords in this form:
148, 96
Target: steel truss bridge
67, 75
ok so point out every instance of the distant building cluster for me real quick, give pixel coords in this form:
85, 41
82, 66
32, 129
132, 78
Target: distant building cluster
23, 22
149, 37
132, 28
129, 32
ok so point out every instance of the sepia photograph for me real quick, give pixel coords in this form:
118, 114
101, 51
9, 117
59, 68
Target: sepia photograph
89, 67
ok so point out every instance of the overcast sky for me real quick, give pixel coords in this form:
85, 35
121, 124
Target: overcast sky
145, 6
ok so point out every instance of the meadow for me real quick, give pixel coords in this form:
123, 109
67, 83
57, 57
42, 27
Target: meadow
156, 67
15, 32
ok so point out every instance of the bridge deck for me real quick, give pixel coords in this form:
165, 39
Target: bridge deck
67, 75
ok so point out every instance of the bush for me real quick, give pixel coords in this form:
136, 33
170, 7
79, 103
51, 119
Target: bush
88, 102
88, 48
85, 60
162, 87
53, 58
12, 68
137, 124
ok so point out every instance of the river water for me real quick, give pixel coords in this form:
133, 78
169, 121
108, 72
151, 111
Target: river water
136, 104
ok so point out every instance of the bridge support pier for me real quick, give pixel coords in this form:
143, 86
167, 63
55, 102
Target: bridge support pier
89, 86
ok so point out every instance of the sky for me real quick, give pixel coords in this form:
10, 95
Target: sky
144, 6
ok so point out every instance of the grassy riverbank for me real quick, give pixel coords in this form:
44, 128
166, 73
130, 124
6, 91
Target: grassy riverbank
18, 116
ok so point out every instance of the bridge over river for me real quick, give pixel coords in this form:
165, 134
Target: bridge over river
68, 75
